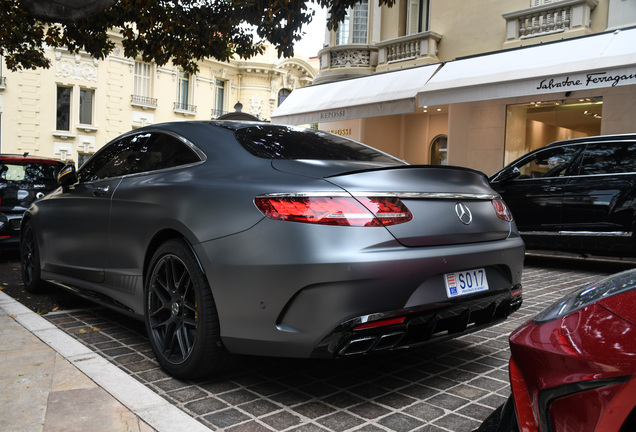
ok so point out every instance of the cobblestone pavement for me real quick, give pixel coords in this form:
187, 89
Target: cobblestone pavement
452, 386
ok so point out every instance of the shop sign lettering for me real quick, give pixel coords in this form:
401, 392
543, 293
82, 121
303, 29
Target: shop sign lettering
593, 79
602, 77
549, 84
333, 115
343, 132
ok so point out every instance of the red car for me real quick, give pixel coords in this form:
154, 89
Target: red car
23, 179
573, 367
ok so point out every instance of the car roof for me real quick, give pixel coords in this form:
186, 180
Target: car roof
210, 136
597, 138
27, 158
225, 124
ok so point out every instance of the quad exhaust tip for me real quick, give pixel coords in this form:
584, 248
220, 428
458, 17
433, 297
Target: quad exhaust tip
365, 344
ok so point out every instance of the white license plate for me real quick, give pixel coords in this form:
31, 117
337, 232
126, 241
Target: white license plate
465, 282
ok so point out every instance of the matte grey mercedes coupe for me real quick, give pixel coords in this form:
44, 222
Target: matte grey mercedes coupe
251, 238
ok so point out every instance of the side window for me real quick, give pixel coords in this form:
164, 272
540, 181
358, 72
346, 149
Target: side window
162, 151
551, 162
114, 160
608, 159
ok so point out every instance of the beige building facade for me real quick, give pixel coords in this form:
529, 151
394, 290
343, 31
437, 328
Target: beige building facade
79, 104
474, 83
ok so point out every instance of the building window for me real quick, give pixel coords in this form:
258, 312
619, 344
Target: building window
183, 92
360, 23
282, 95
219, 97
534, 125
439, 148
342, 34
142, 85
355, 27
63, 112
83, 157
3, 79
86, 103
417, 16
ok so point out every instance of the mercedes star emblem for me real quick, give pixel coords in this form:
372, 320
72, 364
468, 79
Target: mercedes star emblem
463, 213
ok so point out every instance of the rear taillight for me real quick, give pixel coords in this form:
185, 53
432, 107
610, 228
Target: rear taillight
502, 210
342, 211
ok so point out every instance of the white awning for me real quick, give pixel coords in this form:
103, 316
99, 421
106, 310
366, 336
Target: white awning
598, 61
380, 94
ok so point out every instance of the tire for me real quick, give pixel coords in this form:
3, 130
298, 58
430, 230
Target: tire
180, 314
30, 261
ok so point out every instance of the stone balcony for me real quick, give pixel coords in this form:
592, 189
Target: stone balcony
565, 18
348, 61
411, 50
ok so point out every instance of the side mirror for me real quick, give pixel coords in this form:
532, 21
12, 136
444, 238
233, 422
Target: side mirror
67, 176
507, 175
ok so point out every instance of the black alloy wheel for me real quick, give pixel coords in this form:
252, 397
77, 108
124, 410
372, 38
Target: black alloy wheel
30, 261
181, 318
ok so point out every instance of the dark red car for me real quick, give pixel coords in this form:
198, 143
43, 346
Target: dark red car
23, 179
573, 367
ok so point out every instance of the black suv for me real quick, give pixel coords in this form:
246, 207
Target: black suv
23, 179
576, 195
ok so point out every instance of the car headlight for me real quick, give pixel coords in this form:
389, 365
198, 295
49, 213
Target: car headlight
578, 299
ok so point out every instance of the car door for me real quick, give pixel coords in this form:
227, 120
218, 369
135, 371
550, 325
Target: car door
145, 199
76, 224
535, 196
599, 201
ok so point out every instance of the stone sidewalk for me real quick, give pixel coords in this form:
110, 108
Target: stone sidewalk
51, 382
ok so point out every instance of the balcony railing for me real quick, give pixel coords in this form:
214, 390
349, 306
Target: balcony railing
557, 17
143, 101
346, 61
552, 21
348, 56
411, 47
185, 108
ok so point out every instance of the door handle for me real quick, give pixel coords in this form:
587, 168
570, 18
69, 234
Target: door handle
552, 189
101, 191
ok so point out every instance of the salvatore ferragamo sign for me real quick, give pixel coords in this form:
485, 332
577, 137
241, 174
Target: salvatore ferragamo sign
589, 80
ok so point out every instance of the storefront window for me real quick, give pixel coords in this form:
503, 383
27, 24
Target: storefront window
534, 125
438, 150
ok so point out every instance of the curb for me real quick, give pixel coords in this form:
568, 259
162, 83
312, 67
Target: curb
141, 401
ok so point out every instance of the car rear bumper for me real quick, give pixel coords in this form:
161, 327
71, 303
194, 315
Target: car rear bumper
410, 328
10, 228
283, 299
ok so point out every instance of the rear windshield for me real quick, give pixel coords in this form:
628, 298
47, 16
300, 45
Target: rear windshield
283, 142
31, 172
